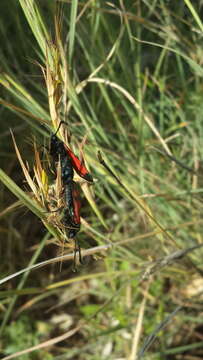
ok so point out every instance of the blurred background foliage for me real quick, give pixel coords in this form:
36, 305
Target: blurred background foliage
130, 80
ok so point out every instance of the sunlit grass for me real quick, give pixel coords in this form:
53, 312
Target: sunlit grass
127, 80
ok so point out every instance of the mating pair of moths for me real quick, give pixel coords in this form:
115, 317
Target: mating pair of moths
69, 161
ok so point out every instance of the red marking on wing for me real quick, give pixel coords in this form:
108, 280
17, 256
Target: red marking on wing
79, 165
76, 204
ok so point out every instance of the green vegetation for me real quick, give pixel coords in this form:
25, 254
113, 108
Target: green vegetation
127, 78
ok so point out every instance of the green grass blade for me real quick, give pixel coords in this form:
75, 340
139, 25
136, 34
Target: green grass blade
194, 14
73, 14
25, 199
22, 283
